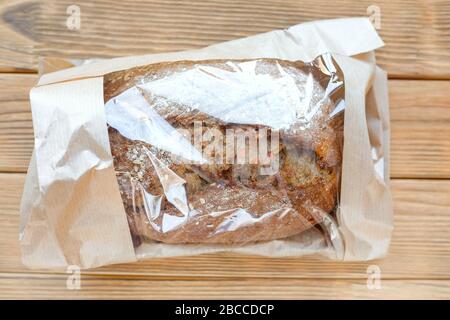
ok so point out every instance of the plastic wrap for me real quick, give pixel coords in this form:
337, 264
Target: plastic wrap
227, 152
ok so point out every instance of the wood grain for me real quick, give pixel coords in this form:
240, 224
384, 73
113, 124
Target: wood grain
16, 87
417, 37
45, 286
416, 33
420, 246
420, 122
16, 129
420, 128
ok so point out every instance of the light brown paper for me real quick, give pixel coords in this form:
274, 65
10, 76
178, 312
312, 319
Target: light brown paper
76, 216
71, 209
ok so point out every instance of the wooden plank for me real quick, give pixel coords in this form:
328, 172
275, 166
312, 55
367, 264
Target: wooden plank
420, 246
420, 121
16, 136
16, 87
45, 286
16, 129
16, 48
416, 33
420, 128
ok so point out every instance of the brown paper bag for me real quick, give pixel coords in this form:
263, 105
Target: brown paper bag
71, 211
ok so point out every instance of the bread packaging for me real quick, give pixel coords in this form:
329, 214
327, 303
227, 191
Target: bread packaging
276, 144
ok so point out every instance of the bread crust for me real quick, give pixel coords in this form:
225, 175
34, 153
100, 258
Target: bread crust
228, 203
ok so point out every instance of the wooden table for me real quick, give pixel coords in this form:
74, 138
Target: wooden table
417, 57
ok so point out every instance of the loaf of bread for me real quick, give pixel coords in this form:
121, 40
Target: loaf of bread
173, 193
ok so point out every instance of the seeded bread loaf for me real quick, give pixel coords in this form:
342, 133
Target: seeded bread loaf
224, 202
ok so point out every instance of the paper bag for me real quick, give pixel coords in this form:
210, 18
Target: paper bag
71, 210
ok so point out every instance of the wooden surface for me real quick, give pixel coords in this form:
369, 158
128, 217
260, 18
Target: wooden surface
417, 57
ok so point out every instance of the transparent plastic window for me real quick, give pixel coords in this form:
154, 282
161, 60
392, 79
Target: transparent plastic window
227, 152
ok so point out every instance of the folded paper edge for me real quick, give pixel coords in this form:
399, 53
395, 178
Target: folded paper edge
365, 218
